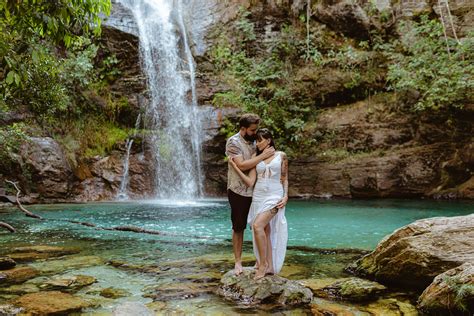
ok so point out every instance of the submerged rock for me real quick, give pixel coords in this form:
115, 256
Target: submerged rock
451, 291
415, 254
17, 275
132, 308
352, 289
51, 303
7, 263
113, 293
10, 310
271, 290
32, 253
69, 284
322, 307
390, 306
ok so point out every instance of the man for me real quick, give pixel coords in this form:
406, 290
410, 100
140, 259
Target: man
241, 148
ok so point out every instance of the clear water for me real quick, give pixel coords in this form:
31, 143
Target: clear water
195, 242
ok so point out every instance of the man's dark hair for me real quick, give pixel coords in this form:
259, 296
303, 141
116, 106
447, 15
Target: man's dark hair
248, 119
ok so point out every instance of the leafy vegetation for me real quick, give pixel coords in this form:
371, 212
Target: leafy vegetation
262, 75
50, 67
439, 68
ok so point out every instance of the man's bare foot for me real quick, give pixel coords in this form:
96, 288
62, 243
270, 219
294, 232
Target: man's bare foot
260, 273
238, 268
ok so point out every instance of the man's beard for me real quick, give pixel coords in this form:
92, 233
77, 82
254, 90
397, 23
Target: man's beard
250, 138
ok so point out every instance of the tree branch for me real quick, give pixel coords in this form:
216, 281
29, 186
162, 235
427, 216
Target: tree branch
7, 226
24, 210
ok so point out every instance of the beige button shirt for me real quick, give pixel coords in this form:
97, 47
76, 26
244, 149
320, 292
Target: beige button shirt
238, 146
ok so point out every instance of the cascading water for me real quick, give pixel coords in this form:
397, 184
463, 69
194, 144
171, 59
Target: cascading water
171, 117
122, 195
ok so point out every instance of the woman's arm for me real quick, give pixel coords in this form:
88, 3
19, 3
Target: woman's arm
284, 180
250, 179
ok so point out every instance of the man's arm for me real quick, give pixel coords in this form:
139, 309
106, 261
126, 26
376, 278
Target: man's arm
245, 165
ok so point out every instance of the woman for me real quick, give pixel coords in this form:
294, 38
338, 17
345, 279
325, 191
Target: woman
267, 212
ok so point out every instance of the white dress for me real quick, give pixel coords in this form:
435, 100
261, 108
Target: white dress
267, 192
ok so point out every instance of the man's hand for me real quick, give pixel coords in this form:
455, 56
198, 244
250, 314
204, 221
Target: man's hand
267, 152
282, 202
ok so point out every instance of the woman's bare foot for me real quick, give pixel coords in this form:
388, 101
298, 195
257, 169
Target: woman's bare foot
269, 271
260, 273
238, 268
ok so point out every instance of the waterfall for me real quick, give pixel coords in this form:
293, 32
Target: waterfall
172, 117
122, 195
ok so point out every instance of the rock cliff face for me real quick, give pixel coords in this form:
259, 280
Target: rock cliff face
360, 147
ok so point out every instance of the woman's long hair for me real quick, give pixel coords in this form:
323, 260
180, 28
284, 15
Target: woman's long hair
265, 134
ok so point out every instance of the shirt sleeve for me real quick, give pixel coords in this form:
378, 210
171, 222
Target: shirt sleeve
232, 148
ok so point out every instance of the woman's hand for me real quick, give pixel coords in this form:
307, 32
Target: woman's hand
282, 202
232, 162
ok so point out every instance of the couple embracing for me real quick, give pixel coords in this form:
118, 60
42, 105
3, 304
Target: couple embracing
258, 192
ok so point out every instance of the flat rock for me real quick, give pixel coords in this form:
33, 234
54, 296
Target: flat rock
69, 284
270, 291
451, 292
51, 303
415, 254
17, 275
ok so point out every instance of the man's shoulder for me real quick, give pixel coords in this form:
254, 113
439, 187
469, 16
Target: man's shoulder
234, 139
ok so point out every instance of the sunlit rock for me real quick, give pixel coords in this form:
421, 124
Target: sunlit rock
415, 254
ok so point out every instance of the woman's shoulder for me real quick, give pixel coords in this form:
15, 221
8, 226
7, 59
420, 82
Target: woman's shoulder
281, 153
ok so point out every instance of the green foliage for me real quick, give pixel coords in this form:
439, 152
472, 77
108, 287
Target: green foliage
443, 79
11, 137
461, 292
245, 27
90, 136
62, 21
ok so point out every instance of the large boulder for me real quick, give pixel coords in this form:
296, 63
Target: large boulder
269, 291
346, 17
49, 167
415, 254
451, 291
